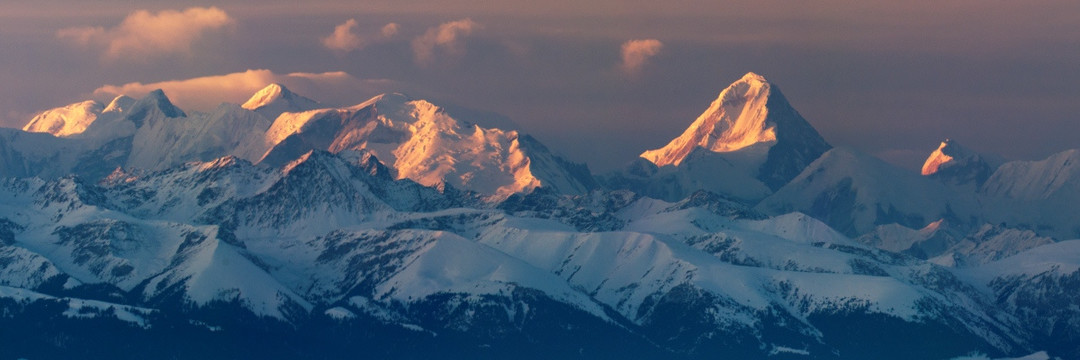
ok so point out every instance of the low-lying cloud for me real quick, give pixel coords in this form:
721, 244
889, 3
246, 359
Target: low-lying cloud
346, 36
447, 39
636, 53
143, 33
206, 93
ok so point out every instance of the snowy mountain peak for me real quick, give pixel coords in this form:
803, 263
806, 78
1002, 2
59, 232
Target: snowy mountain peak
275, 99
753, 77
946, 152
389, 101
735, 120
1055, 178
119, 104
423, 142
956, 165
154, 101
265, 96
65, 121
748, 143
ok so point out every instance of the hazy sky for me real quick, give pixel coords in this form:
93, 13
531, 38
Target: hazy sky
599, 82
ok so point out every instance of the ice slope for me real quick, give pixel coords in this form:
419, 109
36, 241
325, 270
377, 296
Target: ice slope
732, 174
391, 268
456, 265
854, 193
66, 121
166, 136
275, 99
206, 269
25, 154
1055, 176
1038, 195
75, 119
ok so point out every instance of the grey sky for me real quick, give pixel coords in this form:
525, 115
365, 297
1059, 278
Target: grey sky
888, 78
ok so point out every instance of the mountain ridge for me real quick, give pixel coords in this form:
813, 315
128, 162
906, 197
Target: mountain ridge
415, 138
394, 226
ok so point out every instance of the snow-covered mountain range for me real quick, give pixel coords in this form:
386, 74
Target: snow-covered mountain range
286, 228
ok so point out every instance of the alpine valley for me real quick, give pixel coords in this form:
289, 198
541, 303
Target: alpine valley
397, 228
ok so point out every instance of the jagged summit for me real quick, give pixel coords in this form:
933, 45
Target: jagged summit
422, 142
946, 152
275, 99
735, 120
956, 165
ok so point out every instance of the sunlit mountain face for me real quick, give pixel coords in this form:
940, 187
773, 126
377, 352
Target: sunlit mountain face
285, 227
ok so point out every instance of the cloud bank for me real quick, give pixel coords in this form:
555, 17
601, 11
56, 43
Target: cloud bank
636, 53
143, 33
346, 38
447, 39
206, 93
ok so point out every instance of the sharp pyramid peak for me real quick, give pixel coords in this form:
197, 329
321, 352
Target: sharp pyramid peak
750, 122
158, 99
157, 95
735, 120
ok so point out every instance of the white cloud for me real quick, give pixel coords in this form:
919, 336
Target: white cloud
389, 30
346, 38
636, 53
447, 39
206, 93
143, 33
